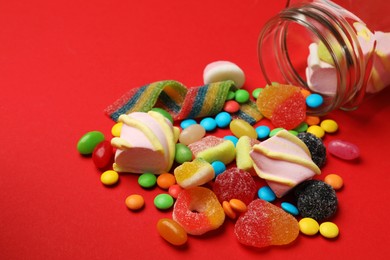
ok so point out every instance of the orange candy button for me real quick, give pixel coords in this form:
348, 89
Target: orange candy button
334, 180
135, 202
171, 231
166, 180
228, 210
238, 205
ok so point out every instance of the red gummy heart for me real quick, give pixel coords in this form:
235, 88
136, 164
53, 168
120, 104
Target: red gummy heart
265, 224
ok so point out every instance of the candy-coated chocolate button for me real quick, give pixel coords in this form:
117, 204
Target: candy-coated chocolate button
242, 96
231, 106
116, 129
147, 180
208, 123
88, 142
223, 119
172, 232
135, 202
308, 226
165, 180
109, 177
329, 125
329, 230
262, 131
163, 201
163, 112
265, 193
334, 180
289, 208
316, 130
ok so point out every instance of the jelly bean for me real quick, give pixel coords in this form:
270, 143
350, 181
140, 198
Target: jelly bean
231, 106
116, 129
223, 119
172, 231
329, 126
238, 205
329, 230
242, 96
289, 208
308, 226
208, 123
334, 180
163, 201
163, 112
147, 180
219, 167
109, 177
293, 132
231, 138
228, 210
343, 150
312, 120
174, 190
256, 92
191, 134
135, 202
316, 130
240, 127
182, 154
262, 131
275, 131
265, 193
102, 155
230, 95
187, 122
88, 142
314, 100
165, 180
302, 127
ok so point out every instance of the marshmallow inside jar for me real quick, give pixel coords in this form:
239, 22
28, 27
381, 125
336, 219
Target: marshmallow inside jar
146, 143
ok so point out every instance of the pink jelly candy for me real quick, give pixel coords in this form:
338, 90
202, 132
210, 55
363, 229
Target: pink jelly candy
343, 150
265, 224
235, 184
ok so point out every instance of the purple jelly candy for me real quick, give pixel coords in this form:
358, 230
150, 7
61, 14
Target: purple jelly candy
343, 150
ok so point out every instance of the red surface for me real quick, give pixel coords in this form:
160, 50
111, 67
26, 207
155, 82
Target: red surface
63, 62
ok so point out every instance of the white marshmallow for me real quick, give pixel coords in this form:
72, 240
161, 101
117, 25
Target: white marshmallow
223, 70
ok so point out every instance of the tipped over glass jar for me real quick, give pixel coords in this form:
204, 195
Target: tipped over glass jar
328, 49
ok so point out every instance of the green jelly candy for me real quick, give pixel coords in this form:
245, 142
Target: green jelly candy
147, 180
163, 201
88, 142
182, 154
163, 112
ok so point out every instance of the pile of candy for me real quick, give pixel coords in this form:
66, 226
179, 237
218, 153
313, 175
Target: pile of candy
209, 178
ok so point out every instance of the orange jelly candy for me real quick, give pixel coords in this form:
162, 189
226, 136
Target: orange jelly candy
171, 231
265, 224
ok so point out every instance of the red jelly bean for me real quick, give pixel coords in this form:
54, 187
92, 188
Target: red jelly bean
343, 150
102, 155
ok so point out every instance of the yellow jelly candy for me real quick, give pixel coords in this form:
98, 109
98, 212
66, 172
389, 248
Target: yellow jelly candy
308, 226
195, 173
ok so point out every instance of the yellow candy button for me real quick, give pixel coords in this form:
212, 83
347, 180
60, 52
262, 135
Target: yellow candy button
329, 125
109, 177
316, 130
329, 230
116, 129
308, 226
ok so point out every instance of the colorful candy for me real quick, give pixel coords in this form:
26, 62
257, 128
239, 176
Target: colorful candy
316, 199
242, 96
102, 155
243, 148
316, 130
223, 119
309, 226
223, 70
227, 208
265, 224
147, 180
174, 190
182, 153
163, 201
238, 205
334, 180
343, 149
231, 106
116, 129
316, 147
187, 122
191, 134
329, 230
314, 100
262, 131
235, 184
283, 161
289, 208
172, 232
212, 148
135, 202
163, 112
219, 167
88, 142
208, 123
284, 105
265, 193
329, 126
240, 128
109, 177
165, 180
195, 173
198, 211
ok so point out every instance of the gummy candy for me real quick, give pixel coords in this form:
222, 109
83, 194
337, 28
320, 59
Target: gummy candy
316, 199
343, 150
265, 224
195, 173
284, 105
235, 183
212, 148
198, 211
316, 147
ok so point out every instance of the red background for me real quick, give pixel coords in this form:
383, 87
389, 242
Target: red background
63, 62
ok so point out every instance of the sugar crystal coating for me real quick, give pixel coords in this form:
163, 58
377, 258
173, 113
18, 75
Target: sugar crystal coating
265, 224
235, 183
316, 147
316, 199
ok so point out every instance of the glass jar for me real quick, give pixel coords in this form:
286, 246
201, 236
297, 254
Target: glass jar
288, 51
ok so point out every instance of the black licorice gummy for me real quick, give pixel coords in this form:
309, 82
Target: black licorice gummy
316, 199
315, 146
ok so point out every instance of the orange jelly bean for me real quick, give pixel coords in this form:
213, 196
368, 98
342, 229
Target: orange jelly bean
166, 180
238, 205
171, 231
228, 210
